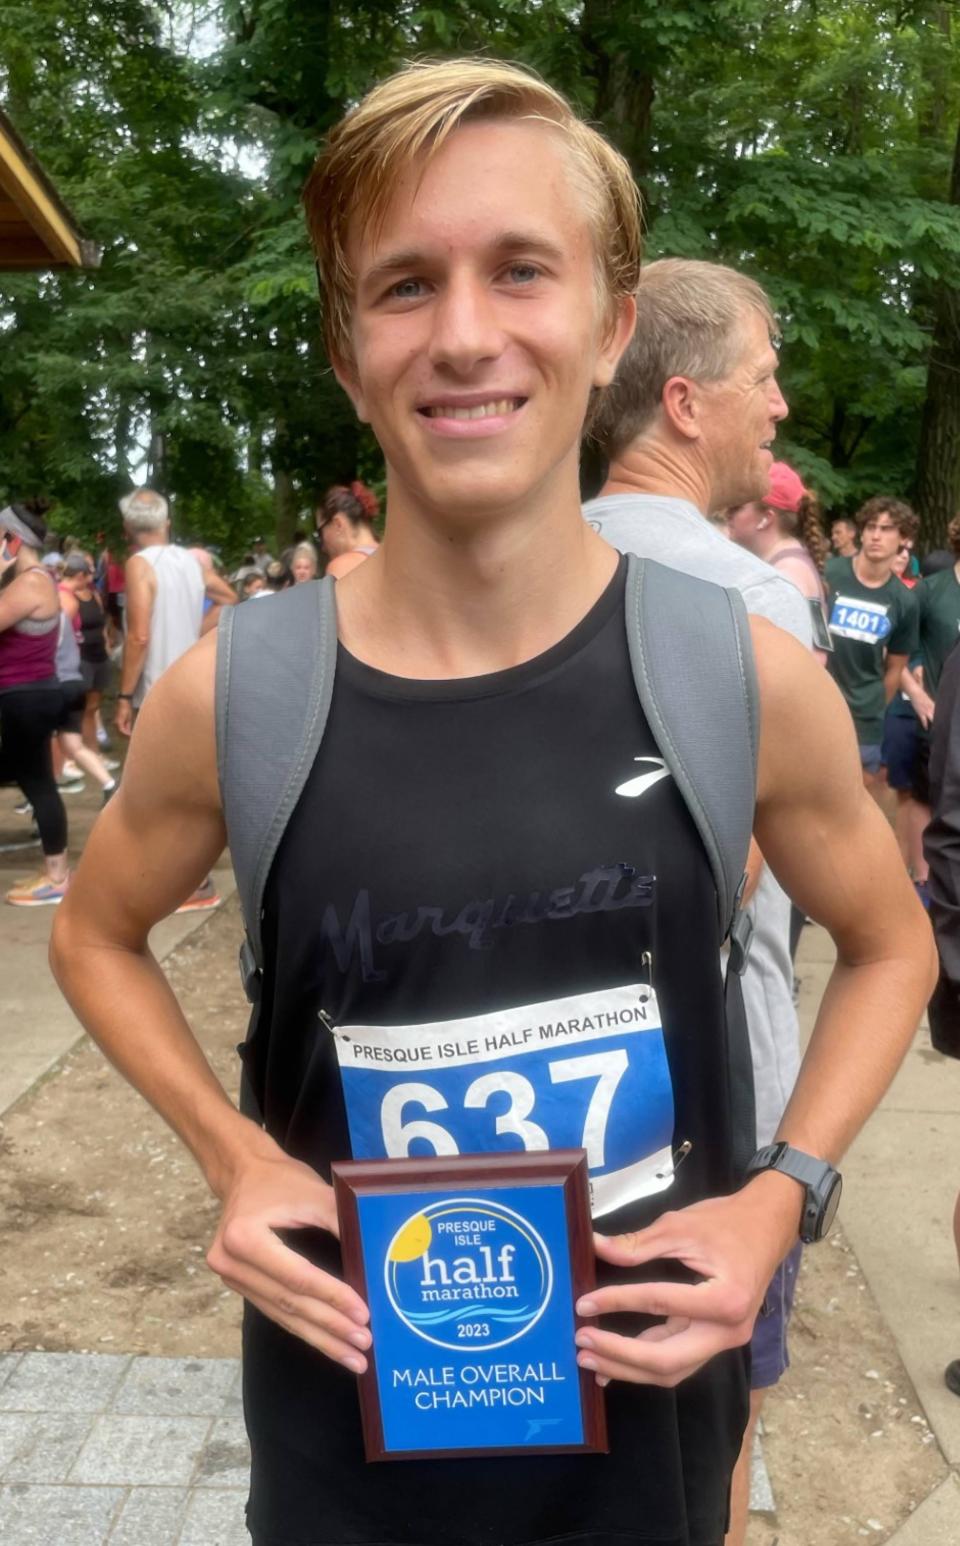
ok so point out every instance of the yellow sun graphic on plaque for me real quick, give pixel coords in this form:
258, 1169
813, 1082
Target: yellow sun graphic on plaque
412, 1240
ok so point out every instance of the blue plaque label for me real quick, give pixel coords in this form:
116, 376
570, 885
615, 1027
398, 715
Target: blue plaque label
471, 1309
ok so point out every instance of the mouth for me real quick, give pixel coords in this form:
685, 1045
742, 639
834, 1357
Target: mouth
469, 417
489, 408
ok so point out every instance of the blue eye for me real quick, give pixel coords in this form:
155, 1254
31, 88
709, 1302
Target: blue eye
406, 289
523, 273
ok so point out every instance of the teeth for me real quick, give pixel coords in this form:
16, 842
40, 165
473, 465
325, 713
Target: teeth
482, 411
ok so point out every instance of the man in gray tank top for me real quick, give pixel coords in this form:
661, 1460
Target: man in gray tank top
686, 431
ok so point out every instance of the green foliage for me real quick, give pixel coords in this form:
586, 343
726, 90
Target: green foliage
806, 141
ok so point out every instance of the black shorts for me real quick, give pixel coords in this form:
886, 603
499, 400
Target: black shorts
921, 770
899, 750
74, 702
97, 675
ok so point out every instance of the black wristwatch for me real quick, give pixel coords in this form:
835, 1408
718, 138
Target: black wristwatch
821, 1183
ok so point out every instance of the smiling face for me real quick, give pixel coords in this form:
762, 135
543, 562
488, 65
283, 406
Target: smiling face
477, 329
739, 417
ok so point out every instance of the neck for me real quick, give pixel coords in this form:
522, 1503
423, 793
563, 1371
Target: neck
151, 539
872, 571
652, 466
447, 599
28, 558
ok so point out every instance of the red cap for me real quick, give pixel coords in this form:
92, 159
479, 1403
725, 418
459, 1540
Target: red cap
786, 490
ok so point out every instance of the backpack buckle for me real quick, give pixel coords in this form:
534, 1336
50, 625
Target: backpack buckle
741, 938
250, 973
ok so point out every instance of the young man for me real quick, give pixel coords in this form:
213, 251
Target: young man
873, 622
685, 430
459, 848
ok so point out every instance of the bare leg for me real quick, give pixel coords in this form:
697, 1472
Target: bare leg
740, 1483
90, 761
90, 711
877, 786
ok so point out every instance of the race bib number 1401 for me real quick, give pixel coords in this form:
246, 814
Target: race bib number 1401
587, 1072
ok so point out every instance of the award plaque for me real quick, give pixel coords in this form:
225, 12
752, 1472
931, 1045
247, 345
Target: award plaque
471, 1266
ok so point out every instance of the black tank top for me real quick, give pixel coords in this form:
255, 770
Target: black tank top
92, 644
462, 847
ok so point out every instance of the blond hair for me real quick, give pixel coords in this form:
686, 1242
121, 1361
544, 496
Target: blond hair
688, 313
409, 116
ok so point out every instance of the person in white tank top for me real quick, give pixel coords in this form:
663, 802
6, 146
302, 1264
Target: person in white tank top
162, 619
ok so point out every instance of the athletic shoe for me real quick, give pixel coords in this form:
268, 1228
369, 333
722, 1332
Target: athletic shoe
102, 737
70, 773
204, 897
23, 809
71, 786
951, 1376
40, 891
109, 791
111, 763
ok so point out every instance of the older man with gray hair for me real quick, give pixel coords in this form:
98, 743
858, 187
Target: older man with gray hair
164, 612
687, 430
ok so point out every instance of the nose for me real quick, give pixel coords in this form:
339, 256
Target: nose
778, 405
466, 330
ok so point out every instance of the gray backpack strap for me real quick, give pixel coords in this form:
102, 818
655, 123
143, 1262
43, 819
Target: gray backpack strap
692, 660
693, 666
276, 659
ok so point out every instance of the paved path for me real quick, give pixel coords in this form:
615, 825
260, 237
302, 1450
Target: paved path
98, 1448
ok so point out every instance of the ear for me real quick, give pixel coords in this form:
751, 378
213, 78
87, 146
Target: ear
346, 373
680, 405
615, 340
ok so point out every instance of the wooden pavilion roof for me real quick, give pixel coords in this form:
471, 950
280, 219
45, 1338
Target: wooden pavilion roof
37, 230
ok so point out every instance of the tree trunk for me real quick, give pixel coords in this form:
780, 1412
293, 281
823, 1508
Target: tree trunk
625, 88
938, 459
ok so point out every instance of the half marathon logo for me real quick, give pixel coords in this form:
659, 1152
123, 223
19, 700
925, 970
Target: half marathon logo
468, 1273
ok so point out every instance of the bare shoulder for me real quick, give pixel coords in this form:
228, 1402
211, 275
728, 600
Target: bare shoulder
344, 564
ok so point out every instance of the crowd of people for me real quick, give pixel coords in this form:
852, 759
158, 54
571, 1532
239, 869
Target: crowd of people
77, 625
483, 852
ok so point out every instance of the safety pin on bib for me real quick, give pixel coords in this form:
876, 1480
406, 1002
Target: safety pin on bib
677, 1159
646, 988
326, 1021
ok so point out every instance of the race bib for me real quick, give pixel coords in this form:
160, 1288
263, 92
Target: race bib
865, 621
587, 1072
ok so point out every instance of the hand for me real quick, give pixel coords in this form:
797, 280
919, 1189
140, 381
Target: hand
274, 1193
733, 1244
123, 718
924, 706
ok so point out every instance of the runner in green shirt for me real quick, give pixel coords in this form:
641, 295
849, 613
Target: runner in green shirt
873, 623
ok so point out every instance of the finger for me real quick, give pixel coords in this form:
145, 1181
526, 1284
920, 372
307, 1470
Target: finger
319, 1313
699, 1301
670, 1358
252, 1244
668, 1328
331, 1347
642, 1245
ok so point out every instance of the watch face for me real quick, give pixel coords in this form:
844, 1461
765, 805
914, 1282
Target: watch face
831, 1204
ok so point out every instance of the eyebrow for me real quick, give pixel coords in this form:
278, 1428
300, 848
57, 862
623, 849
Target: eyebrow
412, 258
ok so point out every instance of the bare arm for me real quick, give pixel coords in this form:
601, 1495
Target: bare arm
150, 848
892, 672
911, 682
141, 588
218, 589
833, 852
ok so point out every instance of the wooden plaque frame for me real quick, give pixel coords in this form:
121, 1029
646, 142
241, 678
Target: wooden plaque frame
565, 1168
